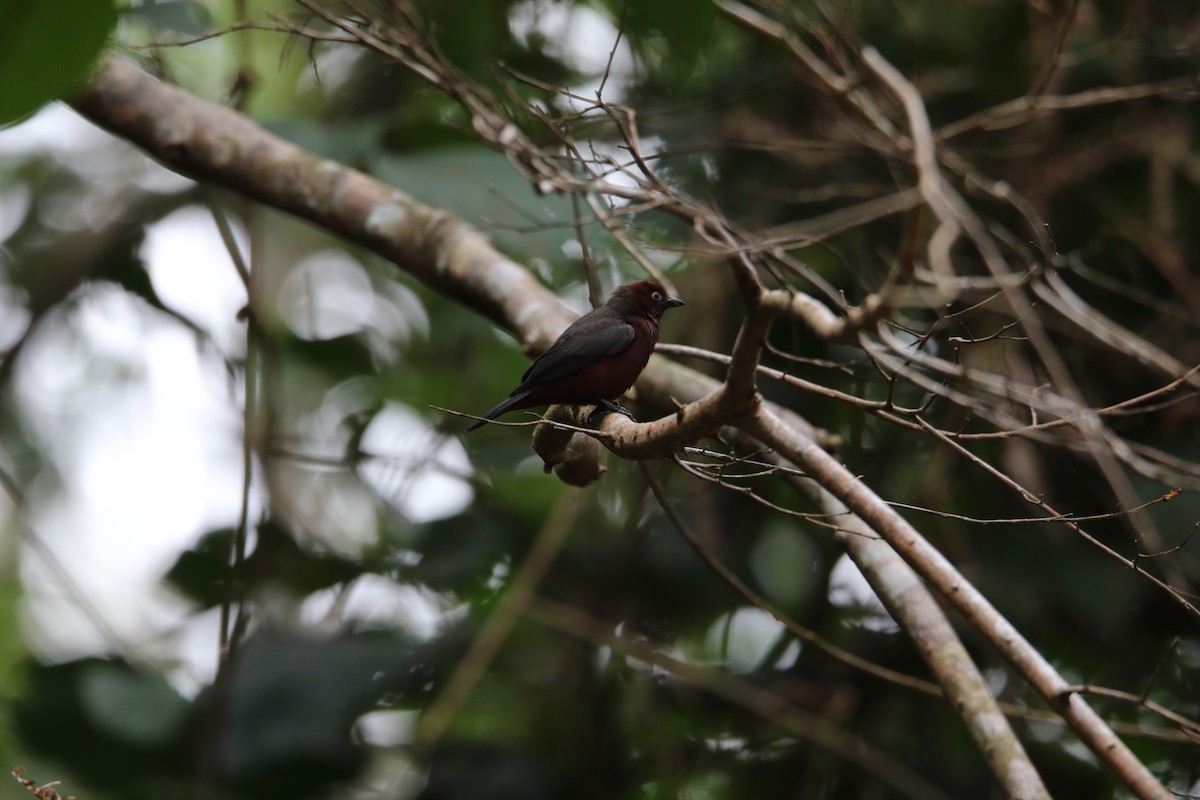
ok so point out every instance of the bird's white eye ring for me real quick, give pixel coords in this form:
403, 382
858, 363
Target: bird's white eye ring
656, 295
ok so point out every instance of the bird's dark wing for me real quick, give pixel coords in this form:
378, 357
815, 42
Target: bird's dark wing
590, 339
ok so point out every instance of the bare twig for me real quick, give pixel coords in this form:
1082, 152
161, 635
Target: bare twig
798, 722
495, 630
964, 597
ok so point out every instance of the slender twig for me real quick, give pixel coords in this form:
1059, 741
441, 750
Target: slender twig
1033, 499
806, 725
758, 601
512, 605
1191, 727
964, 597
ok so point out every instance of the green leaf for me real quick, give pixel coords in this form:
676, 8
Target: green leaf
682, 26
75, 713
202, 572
500, 199
293, 700
782, 561
341, 357
199, 573
179, 16
46, 49
139, 708
460, 552
347, 143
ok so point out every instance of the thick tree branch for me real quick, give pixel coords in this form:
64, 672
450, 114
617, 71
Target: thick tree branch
209, 142
918, 613
937, 570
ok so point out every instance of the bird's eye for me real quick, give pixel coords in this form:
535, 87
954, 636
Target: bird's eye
656, 296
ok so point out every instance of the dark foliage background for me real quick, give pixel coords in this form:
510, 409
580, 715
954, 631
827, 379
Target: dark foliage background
335, 506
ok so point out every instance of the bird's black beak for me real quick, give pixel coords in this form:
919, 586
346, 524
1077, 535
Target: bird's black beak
672, 302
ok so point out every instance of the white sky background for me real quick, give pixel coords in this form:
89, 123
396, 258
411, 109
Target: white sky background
150, 460
143, 423
143, 462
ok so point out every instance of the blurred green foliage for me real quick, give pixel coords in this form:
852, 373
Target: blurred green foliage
556, 715
41, 59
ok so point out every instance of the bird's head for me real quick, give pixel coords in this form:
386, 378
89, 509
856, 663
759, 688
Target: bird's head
643, 298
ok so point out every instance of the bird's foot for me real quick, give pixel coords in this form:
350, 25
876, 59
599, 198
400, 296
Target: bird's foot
605, 407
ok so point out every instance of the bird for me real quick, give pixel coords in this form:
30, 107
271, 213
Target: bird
598, 357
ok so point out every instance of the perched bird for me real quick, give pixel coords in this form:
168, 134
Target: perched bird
598, 357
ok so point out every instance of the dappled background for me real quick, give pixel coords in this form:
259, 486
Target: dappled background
225, 440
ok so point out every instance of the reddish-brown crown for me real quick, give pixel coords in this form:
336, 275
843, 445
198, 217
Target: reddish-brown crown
643, 298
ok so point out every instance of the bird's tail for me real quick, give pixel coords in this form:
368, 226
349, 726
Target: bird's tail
499, 409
